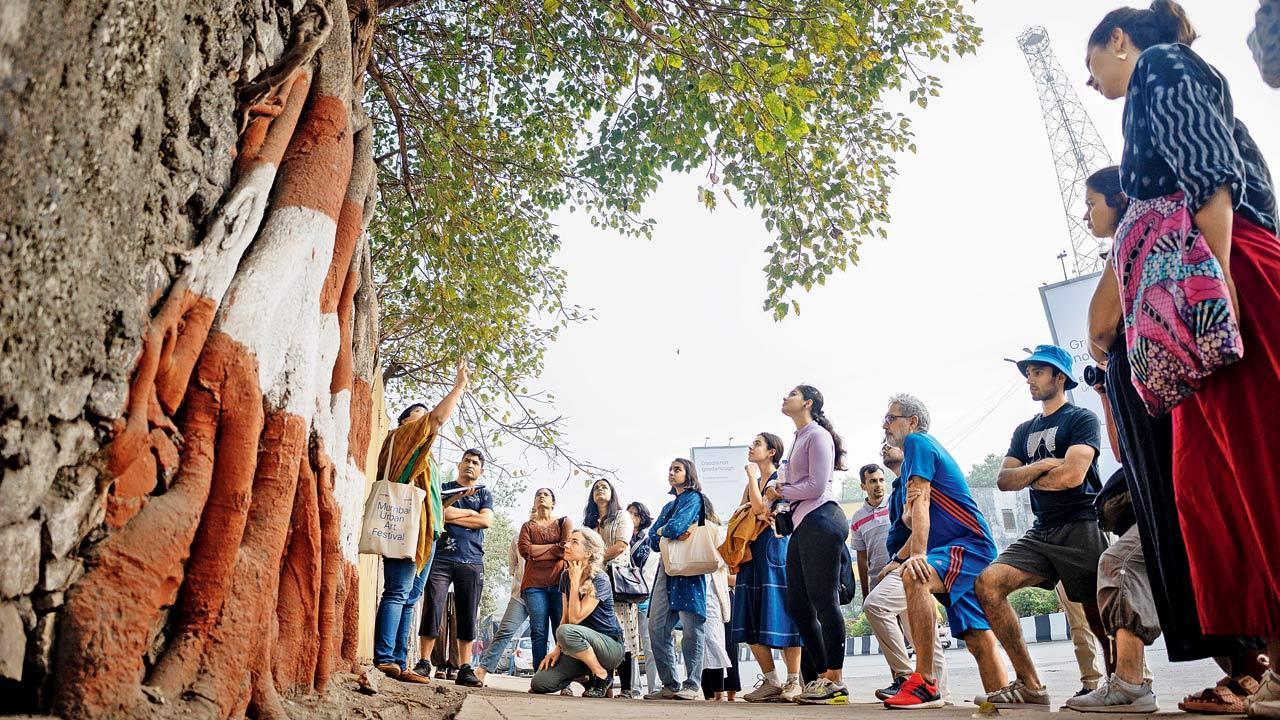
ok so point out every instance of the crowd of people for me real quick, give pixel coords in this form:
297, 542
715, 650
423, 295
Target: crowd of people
1191, 365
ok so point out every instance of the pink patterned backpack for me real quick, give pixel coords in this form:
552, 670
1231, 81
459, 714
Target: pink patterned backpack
1178, 319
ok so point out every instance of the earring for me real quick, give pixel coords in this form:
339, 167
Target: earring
1123, 55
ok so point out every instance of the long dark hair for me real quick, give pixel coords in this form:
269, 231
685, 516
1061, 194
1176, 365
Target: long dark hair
1106, 182
809, 392
774, 443
691, 482
591, 516
1163, 22
646, 517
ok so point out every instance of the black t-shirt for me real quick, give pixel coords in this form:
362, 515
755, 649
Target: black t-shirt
459, 544
1043, 437
603, 619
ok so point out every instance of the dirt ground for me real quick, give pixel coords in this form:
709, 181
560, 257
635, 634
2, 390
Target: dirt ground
393, 701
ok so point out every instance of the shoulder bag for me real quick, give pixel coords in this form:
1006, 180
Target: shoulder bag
392, 514
1178, 319
693, 556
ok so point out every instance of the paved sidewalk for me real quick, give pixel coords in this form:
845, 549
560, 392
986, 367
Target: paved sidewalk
507, 698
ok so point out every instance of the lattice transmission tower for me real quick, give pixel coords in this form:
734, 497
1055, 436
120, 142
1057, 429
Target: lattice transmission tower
1077, 148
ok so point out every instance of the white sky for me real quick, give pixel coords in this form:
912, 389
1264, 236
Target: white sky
932, 310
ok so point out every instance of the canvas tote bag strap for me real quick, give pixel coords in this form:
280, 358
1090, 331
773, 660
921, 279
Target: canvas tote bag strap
386, 465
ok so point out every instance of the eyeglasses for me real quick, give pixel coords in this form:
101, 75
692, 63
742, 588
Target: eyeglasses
890, 418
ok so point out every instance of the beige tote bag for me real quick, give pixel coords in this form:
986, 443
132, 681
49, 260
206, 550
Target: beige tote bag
696, 555
392, 514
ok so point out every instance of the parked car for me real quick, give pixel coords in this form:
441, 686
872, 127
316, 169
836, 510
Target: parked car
523, 656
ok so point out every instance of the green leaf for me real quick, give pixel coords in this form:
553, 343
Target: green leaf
796, 128
777, 109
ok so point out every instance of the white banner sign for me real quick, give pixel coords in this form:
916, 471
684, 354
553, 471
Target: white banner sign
722, 472
1066, 306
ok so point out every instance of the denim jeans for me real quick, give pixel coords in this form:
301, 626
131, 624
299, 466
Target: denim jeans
543, 606
650, 669
393, 625
662, 623
513, 621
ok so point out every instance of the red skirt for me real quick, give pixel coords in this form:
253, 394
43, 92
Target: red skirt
1226, 458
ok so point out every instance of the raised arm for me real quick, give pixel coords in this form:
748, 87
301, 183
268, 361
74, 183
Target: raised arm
442, 412
754, 498
578, 607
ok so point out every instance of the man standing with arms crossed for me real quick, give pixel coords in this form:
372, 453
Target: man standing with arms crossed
1055, 454
459, 560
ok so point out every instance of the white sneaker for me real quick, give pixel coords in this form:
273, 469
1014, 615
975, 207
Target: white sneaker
791, 692
765, 691
1116, 696
1266, 702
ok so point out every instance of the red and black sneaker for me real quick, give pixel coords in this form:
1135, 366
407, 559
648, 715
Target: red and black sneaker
916, 694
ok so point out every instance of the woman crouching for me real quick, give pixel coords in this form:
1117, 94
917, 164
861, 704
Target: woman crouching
589, 639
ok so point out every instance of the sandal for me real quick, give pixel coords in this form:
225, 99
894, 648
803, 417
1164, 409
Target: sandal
1225, 698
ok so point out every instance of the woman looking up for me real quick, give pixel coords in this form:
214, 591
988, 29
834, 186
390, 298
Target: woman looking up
641, 521
813, 575
588, 640
1153, 549
1183, 144
542, 543
681, 599
760, 616
605, 515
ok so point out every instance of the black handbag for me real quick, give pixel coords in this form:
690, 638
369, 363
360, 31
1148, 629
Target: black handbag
848, 589
1114, 505
628, 584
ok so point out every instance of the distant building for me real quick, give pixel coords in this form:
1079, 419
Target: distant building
1008, 513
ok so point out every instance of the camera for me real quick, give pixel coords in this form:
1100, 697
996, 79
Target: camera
1094, 375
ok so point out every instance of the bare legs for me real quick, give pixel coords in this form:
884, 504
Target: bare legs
993, 588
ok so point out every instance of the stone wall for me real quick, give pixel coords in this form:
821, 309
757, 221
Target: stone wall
117, 134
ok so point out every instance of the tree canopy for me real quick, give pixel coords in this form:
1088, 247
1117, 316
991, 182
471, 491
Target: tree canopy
492, 114
983, 474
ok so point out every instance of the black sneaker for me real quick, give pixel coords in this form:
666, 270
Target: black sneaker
467, 677
423, 668
1083, 691
886, 693
598, 687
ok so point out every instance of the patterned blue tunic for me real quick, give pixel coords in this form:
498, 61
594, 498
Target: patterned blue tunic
1181, 133
683, 593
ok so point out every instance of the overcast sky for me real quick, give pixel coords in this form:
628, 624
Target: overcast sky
681, 350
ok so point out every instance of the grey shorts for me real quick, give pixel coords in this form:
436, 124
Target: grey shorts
1124, 591
1067, 552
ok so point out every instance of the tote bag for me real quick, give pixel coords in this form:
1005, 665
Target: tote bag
1178, 319
694, 556
392, 514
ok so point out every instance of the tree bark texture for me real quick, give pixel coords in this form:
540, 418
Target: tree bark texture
219, 570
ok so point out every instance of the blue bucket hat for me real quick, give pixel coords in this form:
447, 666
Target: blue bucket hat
1053, 356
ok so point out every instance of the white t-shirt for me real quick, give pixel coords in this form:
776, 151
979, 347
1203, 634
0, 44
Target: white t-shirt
869, 532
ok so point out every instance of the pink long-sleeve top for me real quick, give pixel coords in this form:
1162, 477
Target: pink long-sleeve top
810, 470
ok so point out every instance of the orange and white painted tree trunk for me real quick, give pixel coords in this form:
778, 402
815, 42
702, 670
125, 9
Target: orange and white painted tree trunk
235, 499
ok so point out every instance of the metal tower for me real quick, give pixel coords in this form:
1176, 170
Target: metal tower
1077, 148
